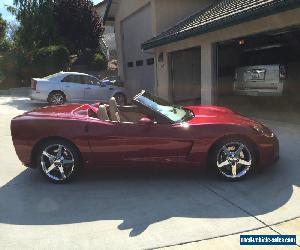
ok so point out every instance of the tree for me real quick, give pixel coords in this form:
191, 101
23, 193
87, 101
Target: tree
4, 44
37, 27
78, 24
73, 23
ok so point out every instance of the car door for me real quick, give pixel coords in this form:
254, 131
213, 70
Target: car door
92, 88
127, 142
72, 86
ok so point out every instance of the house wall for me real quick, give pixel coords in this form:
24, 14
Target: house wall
206, 41
136, 29
161, 19
126, 9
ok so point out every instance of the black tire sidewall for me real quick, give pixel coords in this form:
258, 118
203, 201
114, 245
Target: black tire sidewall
124, 97
71, 148
214, 154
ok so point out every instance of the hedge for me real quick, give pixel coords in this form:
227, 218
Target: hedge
50, 59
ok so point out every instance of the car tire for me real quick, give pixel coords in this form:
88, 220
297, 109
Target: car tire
233, 159
121, 99
58, 160
56, 98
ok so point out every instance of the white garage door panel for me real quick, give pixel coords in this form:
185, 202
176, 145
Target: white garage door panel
137, 29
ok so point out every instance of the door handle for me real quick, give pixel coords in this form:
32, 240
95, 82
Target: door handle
67, 86
87, 88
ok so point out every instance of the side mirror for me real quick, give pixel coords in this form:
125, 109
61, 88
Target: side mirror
145, 121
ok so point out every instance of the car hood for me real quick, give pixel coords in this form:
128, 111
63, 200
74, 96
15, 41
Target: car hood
215, 114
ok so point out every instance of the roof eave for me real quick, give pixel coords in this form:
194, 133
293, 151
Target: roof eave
220, 25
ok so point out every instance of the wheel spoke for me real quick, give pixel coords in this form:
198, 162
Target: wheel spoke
237, 153
52, 167
49, 156
223, 164
245, 163
60, 151
62, 172
226, 151
233, 170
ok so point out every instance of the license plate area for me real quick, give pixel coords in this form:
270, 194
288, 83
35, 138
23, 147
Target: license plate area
255, 75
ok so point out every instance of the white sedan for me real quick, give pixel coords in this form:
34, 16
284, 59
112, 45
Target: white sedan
74, 87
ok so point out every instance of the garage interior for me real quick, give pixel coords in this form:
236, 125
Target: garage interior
276, 47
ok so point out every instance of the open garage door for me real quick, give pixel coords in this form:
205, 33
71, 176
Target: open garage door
260, 70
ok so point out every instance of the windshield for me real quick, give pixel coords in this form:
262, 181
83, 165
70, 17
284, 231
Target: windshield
173, 113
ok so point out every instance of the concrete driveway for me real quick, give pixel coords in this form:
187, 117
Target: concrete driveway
141, 208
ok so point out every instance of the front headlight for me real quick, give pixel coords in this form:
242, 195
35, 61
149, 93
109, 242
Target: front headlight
261, 129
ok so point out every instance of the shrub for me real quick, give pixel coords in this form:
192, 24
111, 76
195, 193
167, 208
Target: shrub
50, 59
11, 64
19, 67
99, 62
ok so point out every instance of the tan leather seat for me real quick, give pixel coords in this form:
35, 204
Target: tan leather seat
113, 110
102, 113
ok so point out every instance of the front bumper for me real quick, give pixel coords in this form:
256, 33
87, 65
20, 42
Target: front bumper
269, 152
259, 92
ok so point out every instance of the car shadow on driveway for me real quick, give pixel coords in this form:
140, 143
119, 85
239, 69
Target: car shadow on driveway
141, 197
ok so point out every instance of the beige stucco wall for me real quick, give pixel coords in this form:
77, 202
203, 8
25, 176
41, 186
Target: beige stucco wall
162, 18
273, 22
126, 8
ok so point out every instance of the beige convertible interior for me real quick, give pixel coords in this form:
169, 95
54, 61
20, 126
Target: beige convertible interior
125, 114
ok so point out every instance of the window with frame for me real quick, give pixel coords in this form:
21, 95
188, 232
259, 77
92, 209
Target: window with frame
130, 64
139, 63
72, 78
150, 61
90, 80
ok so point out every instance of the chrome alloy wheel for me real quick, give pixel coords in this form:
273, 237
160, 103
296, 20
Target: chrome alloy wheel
234, 160
57, 162
57, 99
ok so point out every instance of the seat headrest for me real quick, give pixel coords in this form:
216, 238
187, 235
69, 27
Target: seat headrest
102, 113
113, 110
113, 104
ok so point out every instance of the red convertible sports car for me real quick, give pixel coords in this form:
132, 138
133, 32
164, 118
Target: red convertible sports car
60, 140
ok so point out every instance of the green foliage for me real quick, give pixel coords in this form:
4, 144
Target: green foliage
37, 26
4, 43
19, 67
78, 24
99, 62
12, 65
49, 60
74, 23
29, 50
93, 60
2, 27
